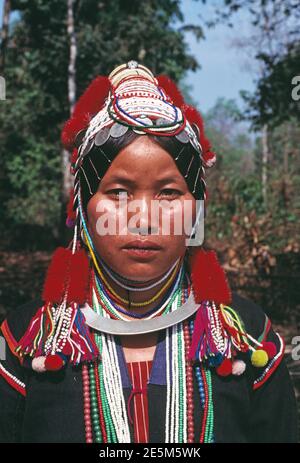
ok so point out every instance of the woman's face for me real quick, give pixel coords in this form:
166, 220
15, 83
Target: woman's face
143, 175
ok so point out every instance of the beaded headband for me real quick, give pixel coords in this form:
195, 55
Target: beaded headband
136, 101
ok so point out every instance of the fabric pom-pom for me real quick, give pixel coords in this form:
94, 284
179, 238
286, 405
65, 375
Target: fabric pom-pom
270, 348
87, 106
259, 358
53, 362
225, 368
238, 367
38, 364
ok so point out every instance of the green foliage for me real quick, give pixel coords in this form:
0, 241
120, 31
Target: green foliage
33, 174
108, 34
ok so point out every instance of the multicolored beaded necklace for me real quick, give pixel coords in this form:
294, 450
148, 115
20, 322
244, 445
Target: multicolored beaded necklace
105, 412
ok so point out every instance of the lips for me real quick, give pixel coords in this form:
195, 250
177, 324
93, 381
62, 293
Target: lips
142, 244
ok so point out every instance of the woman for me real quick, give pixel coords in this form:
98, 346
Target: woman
137, 337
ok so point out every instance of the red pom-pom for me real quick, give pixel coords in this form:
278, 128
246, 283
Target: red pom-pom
57, 274
94, 96
71, 129
270, 348
79, 277
87, 106
53, 363
171, 90
208, 278
225, 368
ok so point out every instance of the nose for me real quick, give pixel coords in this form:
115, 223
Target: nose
140, 219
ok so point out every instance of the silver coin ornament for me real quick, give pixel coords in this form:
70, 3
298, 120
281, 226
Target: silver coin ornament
182, 137
118, 130
102, 136
162, 121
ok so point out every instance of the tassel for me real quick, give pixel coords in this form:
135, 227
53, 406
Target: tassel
38, 330
208, 278
75, 344
57, 274
209, 340
79, 277
197, 332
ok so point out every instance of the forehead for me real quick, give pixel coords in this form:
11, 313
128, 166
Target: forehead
143, 157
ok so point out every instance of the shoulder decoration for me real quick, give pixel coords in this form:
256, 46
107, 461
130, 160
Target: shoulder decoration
219, 337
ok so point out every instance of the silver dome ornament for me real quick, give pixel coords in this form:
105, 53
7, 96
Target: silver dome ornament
102, 136
132, 64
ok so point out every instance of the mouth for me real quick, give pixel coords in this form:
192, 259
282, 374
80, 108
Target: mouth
142, 245
142, 249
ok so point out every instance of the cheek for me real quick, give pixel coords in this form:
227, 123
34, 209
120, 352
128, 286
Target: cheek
104, 218
180, 216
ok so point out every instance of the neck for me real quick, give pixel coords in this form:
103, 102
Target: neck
133, 296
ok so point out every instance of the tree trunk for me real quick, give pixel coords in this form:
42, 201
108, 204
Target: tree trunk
4, 34
65, 155
67, 177
265, 158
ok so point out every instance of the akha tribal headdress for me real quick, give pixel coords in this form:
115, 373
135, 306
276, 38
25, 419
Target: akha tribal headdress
132, 99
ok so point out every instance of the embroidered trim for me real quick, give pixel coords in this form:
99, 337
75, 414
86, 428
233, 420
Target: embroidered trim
271, 366
266, 330
12, 380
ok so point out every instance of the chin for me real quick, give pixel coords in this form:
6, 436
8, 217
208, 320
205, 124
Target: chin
139, 271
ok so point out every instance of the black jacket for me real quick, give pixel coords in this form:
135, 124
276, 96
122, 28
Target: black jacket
52, 409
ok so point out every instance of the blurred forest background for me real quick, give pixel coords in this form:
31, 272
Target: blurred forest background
50, 51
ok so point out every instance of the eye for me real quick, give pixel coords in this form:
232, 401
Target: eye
118, 193
170, 193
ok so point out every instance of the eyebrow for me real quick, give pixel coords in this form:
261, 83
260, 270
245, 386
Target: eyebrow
123, 179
